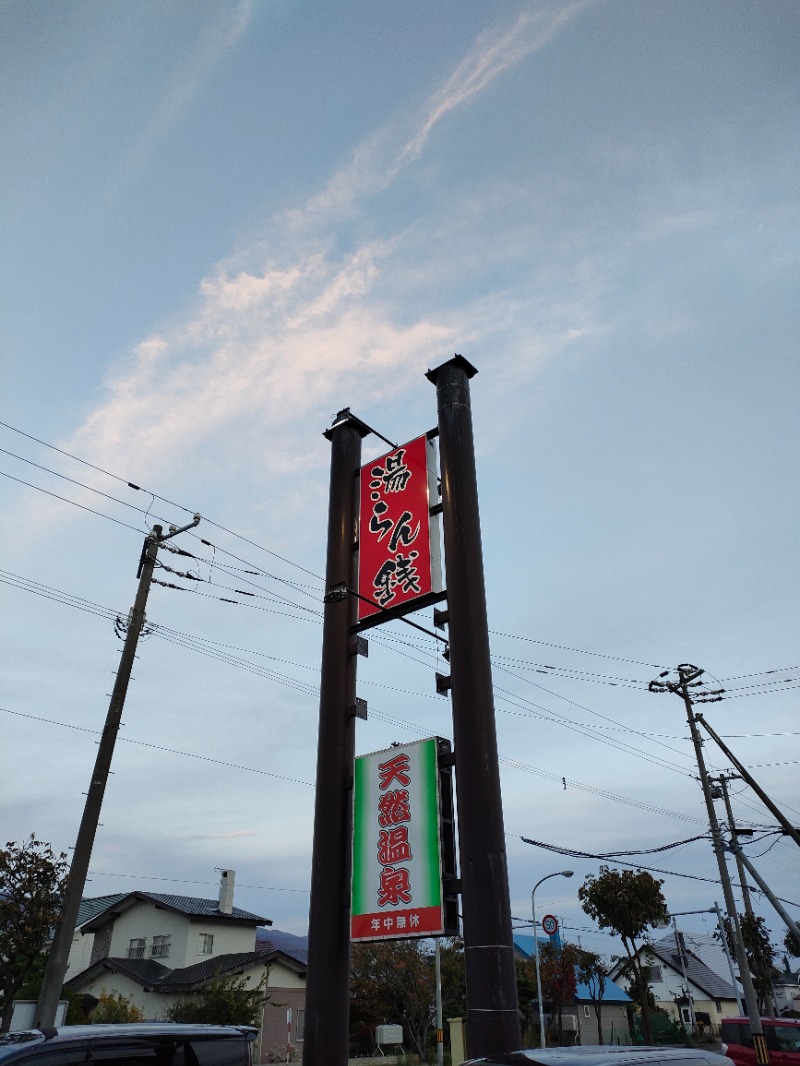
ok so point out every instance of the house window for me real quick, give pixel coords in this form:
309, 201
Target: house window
300, 1024
136, 948
205, 944
718, 1005
686, 1016
160, 949
586, 1012
654, 973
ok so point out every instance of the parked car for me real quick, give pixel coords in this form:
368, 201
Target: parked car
781, 1035
604, 1055
140, 1044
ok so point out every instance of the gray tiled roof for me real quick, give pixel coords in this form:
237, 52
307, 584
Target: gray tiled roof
697, 972
147, 972
158, 978
191, 906
92, 906
190, 977
195, 906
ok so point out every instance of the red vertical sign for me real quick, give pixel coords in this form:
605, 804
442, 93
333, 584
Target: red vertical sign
397, 562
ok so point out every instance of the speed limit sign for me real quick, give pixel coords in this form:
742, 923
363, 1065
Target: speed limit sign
550, 924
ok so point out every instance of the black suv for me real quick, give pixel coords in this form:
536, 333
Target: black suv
145, 1044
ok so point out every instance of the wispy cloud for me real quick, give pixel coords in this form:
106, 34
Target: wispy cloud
217, 37
377, 162
280, 338
494, 54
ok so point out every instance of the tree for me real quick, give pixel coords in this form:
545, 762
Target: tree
557, 966
628, 903
392, 981
592, 971
760, 954
113, 1008
454, 977
526, 997
792, 944
32, 882
223, 1001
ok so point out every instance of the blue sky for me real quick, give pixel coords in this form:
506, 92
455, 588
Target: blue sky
225, 221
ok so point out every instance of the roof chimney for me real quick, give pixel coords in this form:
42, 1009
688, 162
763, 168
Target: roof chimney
226, 880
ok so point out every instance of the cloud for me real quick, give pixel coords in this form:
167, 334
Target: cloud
493, 55
378, 161
289, 335
233, 834
216, 39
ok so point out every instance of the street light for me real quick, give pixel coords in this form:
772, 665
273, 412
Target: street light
559, 873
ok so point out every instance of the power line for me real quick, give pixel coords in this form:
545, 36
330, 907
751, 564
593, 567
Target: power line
183, 881
200, 645
160, 747
172, 503
579, 651
139, 488
74, 503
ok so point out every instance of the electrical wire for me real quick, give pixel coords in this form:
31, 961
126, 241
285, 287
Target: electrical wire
132, 485
200, 645
160, 747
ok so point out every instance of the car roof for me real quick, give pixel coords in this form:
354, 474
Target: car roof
764, 1021
23, 1040
604, 1054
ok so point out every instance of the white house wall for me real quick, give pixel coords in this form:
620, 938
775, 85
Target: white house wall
672, 985
281, 976
116, 983
145, 920
80, 954
154, 1003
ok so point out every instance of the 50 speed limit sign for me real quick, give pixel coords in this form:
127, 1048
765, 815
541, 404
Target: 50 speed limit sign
550, 924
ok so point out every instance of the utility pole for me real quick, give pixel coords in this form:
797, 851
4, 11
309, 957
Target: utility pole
59, 952
791, 925
682, 956
723, 939
787, 826
723, 780
744, 865
689, 678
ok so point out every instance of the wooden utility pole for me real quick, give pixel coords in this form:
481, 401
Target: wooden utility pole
59, 952
689, 678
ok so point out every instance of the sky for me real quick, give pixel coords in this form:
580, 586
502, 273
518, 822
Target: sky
225, 221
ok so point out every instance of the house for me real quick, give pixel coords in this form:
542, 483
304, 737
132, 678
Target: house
155, 949
683, 985
579, 1018
80, 952
786, 988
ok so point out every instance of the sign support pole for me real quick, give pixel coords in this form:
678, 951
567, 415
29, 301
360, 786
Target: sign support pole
492, 1006
326, 1037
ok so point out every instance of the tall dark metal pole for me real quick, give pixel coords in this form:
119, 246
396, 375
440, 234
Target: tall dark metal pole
326, 1038
59, 952
492, 1007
